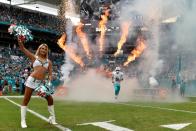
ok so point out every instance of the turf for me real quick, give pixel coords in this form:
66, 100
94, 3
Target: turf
69, 114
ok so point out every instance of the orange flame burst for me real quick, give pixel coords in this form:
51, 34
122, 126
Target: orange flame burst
125, 32
83, 39
102, 27
70, 51
137, 51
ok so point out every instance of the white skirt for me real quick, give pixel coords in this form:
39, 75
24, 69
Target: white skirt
32, 82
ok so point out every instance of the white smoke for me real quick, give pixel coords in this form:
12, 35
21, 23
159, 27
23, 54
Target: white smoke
70, 15
165, 44
186, 28
66, 69
93, 86
147, 14
153, 13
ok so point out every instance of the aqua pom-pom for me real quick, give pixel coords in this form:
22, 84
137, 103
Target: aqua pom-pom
21, 32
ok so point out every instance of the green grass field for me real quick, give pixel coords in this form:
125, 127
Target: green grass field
136, 116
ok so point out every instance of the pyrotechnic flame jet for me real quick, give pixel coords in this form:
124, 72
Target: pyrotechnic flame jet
83, 39
137, 51
102, 27
70, 51
125, 31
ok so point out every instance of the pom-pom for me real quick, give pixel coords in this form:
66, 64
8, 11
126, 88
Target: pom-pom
21, 32
45, 90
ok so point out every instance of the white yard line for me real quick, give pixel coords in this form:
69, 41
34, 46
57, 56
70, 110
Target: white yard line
84, 124
38, 115
192, 102
176, 126
156, 107
134, 105
18, 96
106, 125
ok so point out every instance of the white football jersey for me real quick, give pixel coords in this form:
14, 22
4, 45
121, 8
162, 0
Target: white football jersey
117, 77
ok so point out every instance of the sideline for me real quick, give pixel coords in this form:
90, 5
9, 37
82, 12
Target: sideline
18, 96
156, 107
117, 103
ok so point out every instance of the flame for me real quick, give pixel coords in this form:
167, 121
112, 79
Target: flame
137, 51
102, 27
61, 41
123, 39
70, 51
83, 39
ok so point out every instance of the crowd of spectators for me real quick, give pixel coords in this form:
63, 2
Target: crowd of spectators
94, 10
15, 68
29, 18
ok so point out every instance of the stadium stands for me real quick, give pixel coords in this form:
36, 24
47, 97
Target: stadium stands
11, 14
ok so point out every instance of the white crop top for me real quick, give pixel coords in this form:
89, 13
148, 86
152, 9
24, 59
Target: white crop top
37, 62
